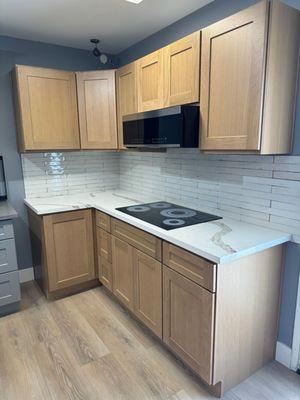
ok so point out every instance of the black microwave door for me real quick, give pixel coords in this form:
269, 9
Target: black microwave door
163, 130
131, 134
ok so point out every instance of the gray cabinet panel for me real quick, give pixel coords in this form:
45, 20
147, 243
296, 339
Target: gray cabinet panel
6, 230
8, 258
9, 288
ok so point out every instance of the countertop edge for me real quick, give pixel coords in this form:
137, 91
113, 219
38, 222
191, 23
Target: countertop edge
217, 260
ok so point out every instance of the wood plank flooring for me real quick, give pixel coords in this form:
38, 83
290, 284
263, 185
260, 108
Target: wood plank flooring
86, 347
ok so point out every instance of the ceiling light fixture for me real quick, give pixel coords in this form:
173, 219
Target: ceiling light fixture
97, 53
134, 1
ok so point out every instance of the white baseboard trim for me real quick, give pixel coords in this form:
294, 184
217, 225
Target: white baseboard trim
26, 275
283, 354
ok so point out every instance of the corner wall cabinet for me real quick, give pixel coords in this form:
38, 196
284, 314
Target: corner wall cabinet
46, 106
249, 67
203, 312
97, 109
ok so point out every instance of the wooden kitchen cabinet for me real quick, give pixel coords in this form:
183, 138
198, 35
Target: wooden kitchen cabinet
248, 80
182, 71
69, 248
148, 291
63, 251
122, 256
126, 96
188, 322
150, 81
46, 106
97, 109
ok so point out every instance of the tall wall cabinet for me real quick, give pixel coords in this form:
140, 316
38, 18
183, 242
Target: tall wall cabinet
249, 67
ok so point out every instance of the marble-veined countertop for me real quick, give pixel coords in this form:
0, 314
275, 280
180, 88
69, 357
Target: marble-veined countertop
219, 241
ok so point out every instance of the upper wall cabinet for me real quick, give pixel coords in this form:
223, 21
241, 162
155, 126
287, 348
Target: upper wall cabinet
248, 80
47, 109
150, 82
97, 109
181, 71
126, 95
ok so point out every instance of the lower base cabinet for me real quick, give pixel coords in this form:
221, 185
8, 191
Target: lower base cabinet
188, 322
63, 251
134, 277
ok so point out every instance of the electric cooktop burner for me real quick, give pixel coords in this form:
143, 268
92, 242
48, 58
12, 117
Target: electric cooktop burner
167, 215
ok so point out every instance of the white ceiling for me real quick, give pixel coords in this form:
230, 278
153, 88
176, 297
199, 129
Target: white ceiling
117, 23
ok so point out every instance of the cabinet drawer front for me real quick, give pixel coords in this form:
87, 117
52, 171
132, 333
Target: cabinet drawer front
190, 265
104, 244
188, 322
9, 288
6, 230
8, 258
103, 221
143, 241
105, 272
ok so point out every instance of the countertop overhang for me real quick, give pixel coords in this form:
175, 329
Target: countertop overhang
220, 241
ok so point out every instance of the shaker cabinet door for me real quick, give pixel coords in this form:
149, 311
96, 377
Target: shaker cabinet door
97, 109
188, 320
126, 96
232, 78
69, 248
182, 70
150, 81
122, 256
47, 109
148, 291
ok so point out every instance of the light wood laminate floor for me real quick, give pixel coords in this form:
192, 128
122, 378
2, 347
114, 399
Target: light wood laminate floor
87, 347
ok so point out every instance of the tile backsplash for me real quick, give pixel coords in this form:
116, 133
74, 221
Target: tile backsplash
264, 190
57, 173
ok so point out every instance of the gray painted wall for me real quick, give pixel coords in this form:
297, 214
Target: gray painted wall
15, 51
203, 17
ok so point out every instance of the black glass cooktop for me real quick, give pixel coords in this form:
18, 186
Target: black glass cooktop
167, 215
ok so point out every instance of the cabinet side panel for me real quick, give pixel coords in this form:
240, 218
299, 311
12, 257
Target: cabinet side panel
281, 79
247, 304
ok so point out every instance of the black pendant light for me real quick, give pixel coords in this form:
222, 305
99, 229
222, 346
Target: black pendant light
97, 53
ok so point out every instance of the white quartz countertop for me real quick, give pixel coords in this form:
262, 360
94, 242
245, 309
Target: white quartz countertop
220, 241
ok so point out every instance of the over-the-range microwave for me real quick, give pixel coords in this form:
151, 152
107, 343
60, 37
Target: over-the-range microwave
176, 126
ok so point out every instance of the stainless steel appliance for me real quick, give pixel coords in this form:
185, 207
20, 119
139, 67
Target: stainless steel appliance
3, 192
167, 215
176, 126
